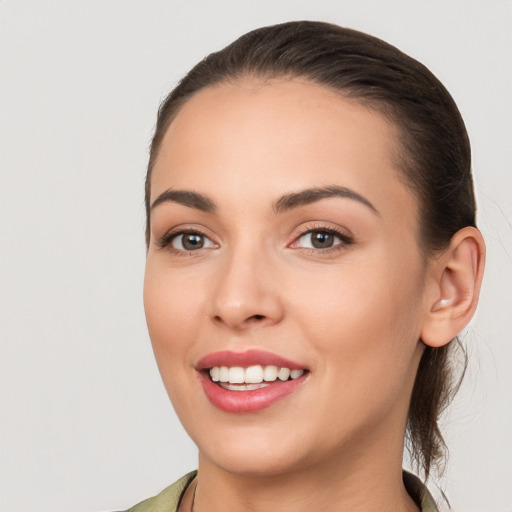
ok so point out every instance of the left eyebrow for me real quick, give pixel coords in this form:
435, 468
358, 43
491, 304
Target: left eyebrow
312, 195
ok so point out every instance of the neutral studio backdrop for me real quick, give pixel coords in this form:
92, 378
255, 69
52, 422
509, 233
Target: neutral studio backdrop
85, 423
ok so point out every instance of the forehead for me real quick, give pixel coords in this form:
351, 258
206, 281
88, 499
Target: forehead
276, 135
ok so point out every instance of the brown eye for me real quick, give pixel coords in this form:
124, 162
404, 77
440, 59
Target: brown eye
322, 239
318, 240
191, 242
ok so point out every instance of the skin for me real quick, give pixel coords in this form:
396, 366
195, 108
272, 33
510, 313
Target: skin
353, 315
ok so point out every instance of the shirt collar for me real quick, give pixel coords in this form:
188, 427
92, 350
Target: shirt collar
419, 492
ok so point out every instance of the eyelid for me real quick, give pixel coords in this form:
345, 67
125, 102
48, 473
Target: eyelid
165, 241
207, 243
345, 237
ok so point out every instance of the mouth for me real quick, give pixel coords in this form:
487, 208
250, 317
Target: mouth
238, 378
249, 381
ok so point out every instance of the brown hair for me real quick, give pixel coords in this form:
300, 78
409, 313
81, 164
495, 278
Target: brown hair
435, 160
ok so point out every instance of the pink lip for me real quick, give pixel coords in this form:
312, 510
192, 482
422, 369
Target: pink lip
245, 359
248, 401
253, 400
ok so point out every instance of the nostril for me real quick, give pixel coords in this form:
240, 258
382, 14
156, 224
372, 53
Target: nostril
219, 319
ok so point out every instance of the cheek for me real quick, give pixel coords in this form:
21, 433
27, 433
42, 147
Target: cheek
172, 302
365, 326
356, 302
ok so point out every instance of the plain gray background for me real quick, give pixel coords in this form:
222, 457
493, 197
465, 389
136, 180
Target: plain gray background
85, 422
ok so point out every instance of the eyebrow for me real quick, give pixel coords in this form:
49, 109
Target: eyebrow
186, 198
285, 203
311, 195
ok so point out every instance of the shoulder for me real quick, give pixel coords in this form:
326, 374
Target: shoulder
168, 500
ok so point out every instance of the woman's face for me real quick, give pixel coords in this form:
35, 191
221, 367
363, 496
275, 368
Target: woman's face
283, 236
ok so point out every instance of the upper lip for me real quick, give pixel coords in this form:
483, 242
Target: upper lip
245, 359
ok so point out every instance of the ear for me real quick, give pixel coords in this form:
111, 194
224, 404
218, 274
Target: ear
455, 278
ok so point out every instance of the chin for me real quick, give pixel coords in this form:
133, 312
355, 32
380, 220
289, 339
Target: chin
257, 451
252, 462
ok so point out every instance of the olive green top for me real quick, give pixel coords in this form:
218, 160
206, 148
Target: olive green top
169, 499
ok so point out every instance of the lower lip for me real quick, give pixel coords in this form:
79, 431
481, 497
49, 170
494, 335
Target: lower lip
248, 401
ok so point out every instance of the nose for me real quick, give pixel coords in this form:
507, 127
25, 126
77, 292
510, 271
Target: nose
246, 292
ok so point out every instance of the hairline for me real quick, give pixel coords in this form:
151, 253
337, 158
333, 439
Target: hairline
398, 153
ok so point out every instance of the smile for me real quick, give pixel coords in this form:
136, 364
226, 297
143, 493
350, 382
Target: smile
237, 378
248, 381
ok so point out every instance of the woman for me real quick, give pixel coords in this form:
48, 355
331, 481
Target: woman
312, 255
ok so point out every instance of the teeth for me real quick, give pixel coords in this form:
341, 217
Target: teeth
215, 374
223, 374
295, 374
236, 375
243, 387
270, 373
253, 376
283, 373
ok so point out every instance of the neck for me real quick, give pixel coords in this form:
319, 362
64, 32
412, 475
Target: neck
374, 486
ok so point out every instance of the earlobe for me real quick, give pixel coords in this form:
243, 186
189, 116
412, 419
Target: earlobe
457, 277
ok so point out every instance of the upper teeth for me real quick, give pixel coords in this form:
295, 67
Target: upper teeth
252, 374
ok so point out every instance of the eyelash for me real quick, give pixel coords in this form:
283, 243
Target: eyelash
167, 239
346, 240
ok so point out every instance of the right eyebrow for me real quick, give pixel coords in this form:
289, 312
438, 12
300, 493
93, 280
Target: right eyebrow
186, 198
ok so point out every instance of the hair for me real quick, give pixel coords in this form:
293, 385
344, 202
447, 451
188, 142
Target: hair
434, 157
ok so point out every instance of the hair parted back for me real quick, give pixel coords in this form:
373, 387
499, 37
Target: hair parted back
434, 161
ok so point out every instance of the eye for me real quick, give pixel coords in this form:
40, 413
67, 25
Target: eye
190, 241
318, 240
182, 242
321, 239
